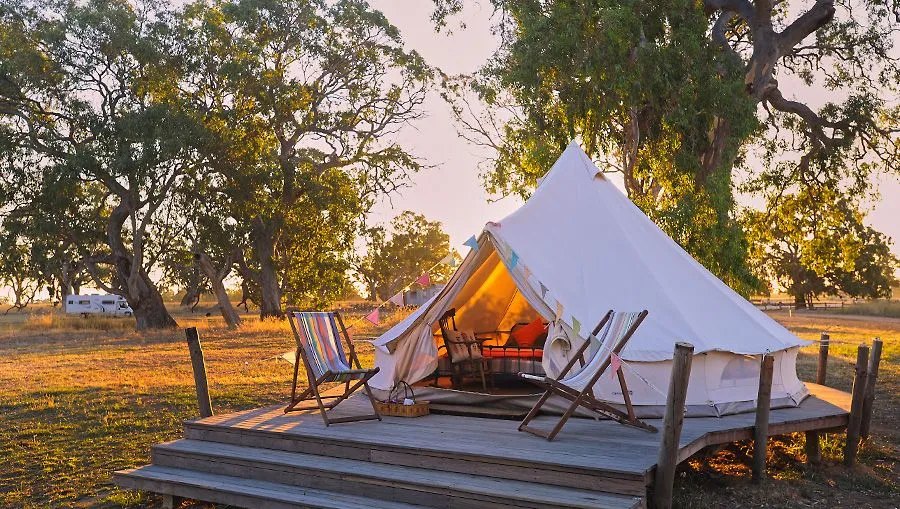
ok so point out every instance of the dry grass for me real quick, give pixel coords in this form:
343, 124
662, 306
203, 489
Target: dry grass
889, 308
79, 399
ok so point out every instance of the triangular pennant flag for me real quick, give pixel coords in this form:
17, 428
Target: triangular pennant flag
449, 260
374, 316
614, 364
472, 242
513, 260
559, 310
576, 325
424, 279
543, 291
526, 272
397, 299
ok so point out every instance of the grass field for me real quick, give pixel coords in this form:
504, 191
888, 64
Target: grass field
81, 398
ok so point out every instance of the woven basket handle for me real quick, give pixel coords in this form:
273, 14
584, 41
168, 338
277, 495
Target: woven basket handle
407, 392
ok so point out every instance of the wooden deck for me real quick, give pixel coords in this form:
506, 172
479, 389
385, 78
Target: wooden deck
263, 457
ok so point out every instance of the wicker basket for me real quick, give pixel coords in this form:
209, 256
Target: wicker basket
394, 405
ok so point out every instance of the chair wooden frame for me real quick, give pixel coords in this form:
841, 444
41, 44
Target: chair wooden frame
585, 398
456, 368
313, 393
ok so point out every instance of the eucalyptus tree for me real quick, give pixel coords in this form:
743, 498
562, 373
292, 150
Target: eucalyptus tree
673, 94
815, 242
82, 87
305, 98
397, 256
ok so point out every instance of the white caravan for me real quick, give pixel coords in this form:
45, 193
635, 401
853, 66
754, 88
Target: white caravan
104, 305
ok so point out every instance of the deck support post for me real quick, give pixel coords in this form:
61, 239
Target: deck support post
199, 365
761, 428
813, 448
672, 423
822, 368
869, 397
856, 404
171, 502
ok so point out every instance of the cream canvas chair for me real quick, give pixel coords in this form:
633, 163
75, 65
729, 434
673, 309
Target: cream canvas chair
615, 329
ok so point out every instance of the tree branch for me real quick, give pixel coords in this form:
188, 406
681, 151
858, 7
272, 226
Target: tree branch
810, 21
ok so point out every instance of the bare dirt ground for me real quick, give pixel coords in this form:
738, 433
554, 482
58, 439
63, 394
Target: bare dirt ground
81, 398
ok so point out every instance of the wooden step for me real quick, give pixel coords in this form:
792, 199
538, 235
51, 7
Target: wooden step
238, 492
436, 456
387, 482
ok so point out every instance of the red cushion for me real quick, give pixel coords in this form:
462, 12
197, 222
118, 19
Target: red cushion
527, 335
512, 353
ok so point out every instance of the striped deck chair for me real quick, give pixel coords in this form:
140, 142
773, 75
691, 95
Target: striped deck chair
614, 330
319, 345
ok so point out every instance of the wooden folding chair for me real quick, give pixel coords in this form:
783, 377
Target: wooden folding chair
319, 345
475, 360
617, 329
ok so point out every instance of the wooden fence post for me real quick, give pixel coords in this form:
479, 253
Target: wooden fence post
859, 389
761, 428
672, 423
869, 397
822, 369
199, 365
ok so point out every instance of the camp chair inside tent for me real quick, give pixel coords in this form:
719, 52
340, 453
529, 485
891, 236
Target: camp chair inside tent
319, 345
617, 329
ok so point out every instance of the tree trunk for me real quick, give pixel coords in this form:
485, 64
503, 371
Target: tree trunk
145, 300
216, 278
263, 237
192, 292
136, 286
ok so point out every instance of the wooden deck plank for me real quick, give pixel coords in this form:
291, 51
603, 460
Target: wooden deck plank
492, 489
584, 444
242, 492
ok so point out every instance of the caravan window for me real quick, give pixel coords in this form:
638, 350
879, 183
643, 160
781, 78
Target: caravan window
123, 305
107, 302
84, 302
71, 301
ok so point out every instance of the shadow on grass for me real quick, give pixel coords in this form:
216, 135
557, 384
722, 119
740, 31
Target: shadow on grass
60, 446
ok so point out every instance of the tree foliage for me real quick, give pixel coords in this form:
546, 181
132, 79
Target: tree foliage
815, 243
304, 97
673, 94
395, 259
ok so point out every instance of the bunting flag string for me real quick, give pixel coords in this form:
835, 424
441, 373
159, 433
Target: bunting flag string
543, 291
397, 299
576, 326
559, 310
471, 243
374, 316
526, 272
513, 260
615, 362
424, 279
449, 260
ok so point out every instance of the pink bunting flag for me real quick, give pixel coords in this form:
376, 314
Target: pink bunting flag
424, 279
374, 316
397, 299
614, 364
526, 272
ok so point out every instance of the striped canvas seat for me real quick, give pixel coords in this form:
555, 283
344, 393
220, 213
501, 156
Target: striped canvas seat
318, 336
319, 345
612, 333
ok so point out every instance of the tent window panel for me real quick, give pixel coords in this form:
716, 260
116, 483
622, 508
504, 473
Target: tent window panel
740, 371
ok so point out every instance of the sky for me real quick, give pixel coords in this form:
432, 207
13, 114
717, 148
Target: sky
451, 191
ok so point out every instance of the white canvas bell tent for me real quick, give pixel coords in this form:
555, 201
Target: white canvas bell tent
578, 243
